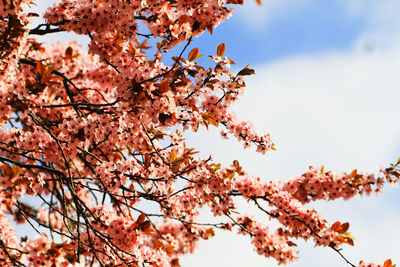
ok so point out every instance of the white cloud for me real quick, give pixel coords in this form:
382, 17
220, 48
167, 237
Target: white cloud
376, 11
322, 109
380, 16
256, 17
339, 102
336, 109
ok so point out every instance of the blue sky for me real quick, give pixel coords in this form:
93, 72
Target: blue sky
318, 27
326, 88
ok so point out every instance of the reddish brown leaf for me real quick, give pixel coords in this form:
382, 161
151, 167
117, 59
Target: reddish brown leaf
158, 244
53, 252
68, 53
388, 263
11, 171
221, 50
40, 67
193, 54
163, 87
183, 19
168, 248
235, 2
175, 262
145, 226
349, 241
209, 29
345, 227
336, 226
246, 71
22, 181
141, 218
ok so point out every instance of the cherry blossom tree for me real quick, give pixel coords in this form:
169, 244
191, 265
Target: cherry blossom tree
91, 136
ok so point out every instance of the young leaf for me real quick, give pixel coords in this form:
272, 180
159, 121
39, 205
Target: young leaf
68, 53
158, 244
349, 241
145, 226
141, 218
345, 227
208, 233
163, 87
183, 19
208, 118
388, 263
235, 2
40, 67
221, 50
193, 54
23, 181
246, 71
11, 171
336, 226
209, 29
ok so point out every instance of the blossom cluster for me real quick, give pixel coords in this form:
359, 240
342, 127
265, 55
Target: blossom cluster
387, 263
176, 21
8, 236
8, 7
266, 243
13, 35
43, 252
298, 220
317, 184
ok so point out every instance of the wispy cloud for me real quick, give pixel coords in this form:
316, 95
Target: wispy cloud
255, 16
379, 15
339, 109
336, 109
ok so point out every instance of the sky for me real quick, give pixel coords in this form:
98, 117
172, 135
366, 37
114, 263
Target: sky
326, 89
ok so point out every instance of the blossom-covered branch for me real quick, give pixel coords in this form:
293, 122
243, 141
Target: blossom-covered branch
91, 135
